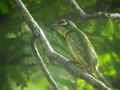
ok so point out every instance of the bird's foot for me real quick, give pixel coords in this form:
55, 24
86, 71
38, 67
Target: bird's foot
83, 70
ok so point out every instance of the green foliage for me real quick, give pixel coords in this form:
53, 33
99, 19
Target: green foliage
7, 5
3, 6
86, 3
15, 46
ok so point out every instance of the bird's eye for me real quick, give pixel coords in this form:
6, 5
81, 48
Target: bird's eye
62, 22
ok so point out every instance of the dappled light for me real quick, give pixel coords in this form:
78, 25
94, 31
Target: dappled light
19, 68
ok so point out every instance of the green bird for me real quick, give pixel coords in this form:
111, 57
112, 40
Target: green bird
79, 46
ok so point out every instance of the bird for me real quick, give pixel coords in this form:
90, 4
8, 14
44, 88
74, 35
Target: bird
79, 46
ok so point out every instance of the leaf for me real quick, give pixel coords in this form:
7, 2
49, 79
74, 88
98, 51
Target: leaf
3, 7
108, 29
86, 3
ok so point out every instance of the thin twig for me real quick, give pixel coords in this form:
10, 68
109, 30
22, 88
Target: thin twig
85, 15
43, 65
53, 55
77, 7
76, 72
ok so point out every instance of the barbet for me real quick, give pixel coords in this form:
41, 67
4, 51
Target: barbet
79, 46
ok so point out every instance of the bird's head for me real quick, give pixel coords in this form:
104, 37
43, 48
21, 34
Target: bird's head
62, 26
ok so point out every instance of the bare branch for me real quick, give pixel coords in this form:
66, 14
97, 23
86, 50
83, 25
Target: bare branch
76, 72
77, 7
36, 32
84, 15
53, 55
41, 62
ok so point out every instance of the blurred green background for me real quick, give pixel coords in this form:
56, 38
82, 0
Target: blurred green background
15, 50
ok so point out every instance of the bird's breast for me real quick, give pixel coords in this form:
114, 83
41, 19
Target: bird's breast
81, 49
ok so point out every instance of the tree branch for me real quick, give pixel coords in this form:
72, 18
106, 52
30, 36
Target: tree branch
84, 15
53, 55
41, 62
35, 32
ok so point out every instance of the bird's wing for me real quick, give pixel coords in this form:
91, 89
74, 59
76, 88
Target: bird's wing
81, 48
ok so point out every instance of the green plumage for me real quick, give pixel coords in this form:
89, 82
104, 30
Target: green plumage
79, 46
82, 50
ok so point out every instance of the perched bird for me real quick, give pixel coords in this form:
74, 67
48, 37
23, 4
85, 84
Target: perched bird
79, 46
